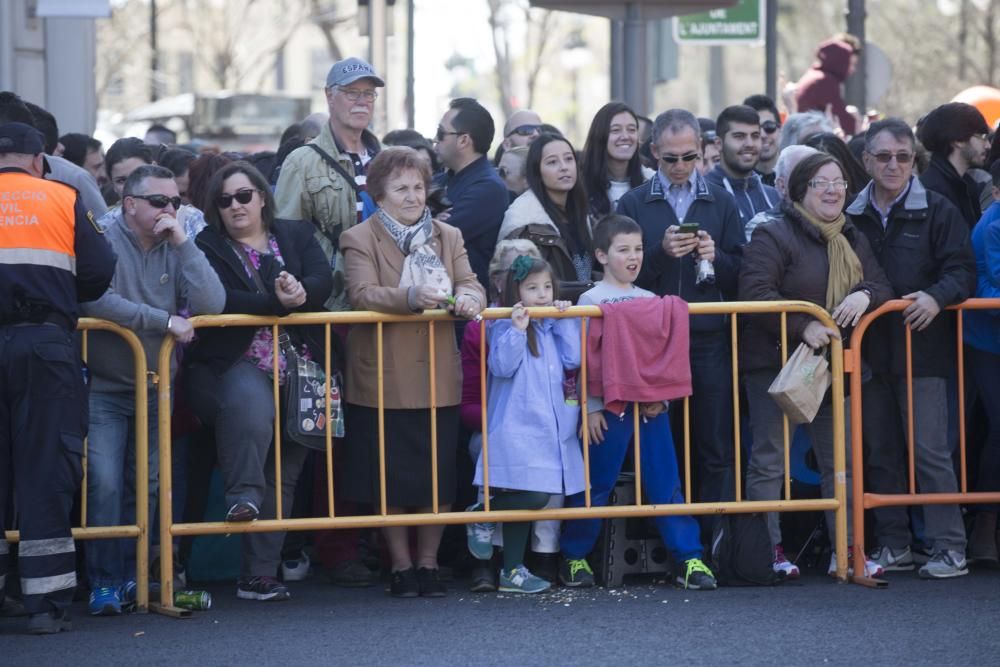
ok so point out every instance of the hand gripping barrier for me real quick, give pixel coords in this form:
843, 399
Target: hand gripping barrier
169, 528
140, 529
863, 501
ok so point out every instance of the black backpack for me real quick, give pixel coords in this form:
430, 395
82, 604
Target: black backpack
742, 551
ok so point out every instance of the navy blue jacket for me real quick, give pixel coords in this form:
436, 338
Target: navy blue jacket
752, 196
479, 199
715, 212
962, 191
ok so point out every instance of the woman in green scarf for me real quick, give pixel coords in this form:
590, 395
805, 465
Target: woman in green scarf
811, 254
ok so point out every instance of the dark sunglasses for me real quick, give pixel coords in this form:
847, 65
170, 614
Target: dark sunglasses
242, 196
524, 130
160, 201
885, 157
502, 172
769, 127
672, 159
442, 133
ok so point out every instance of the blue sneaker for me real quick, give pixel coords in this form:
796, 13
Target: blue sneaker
479, 535
127, 595
520, 580
105, 601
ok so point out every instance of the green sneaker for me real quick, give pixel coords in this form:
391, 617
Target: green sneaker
479, 536
576, 573
697, 576
520, 580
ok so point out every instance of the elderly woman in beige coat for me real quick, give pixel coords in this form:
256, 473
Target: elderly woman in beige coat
400, 261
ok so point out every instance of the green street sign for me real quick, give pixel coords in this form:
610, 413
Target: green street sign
741, 24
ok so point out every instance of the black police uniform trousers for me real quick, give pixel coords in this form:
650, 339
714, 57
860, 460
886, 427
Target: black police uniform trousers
43, 419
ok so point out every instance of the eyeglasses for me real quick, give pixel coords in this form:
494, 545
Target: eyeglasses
824, 185
769, 127
354, 95
159, 201
885, 157
243, 196
524, 130
672, 159
442, 133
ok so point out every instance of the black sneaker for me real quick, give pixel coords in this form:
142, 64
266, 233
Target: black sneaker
404, 584
352, 574
261, 588
484, 577
576, 573
429, 583
697, 576
243, 511
49, 623
545, 566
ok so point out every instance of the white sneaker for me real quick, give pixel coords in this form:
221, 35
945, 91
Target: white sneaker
945, 565
872, 569
296, 569
893, 560
782, 566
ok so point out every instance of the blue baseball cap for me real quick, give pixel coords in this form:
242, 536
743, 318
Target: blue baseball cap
21, 138
349, 70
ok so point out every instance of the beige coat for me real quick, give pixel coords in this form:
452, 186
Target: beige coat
373, 264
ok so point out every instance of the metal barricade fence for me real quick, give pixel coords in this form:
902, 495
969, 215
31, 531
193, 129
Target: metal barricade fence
140, 529
864, 501
170, 529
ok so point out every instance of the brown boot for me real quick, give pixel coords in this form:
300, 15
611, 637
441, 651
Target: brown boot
983, 542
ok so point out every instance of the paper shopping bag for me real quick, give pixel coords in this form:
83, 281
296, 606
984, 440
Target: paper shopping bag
801, 385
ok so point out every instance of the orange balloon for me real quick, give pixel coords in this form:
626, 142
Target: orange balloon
984, 98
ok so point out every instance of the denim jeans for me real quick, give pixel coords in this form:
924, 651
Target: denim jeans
111, 482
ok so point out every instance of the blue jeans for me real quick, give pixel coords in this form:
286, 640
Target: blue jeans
111, 482
660, 481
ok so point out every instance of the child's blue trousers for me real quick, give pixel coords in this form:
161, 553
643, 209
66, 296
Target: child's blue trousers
660, 481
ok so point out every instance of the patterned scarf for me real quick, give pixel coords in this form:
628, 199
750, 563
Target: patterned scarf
422, 265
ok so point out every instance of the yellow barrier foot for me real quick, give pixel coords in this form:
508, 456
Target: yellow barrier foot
174, 612
871, 582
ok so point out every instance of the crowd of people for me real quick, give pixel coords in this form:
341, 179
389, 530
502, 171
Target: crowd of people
651, 214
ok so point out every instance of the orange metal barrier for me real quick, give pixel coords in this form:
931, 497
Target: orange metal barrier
140, 529
864, 501
169, 528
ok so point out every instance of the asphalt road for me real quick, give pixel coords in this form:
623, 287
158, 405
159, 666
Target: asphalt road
814, 621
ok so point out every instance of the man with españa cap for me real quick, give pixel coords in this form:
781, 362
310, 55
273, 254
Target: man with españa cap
52, 257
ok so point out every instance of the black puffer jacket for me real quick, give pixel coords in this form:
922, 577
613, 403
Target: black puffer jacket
787, 260
924, 247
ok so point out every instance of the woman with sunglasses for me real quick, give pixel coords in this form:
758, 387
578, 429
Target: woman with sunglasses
268, 267
811, 254
610, 163
553, 214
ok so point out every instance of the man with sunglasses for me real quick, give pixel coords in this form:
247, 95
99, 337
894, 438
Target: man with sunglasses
160, 273
477, 194
679, 195
770, 135
923, 245
739, 136
521, 128
957, 136
324, 181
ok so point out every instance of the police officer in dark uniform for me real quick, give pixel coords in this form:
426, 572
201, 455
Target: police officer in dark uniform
52, 256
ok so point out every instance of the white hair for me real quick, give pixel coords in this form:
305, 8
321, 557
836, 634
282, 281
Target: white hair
787, 160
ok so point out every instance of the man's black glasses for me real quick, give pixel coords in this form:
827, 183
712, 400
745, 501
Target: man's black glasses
672, 159
442, 133
769, 127
160, 201
242, 196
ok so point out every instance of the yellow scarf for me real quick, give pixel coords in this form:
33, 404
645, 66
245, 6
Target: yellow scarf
845, 267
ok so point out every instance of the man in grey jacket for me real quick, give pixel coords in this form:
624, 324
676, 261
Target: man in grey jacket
160, 272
